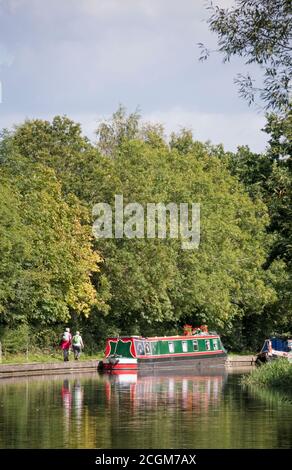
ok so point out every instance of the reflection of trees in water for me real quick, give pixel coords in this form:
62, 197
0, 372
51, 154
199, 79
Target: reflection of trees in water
191, 411
254, 419
47, 412
273, 397
140, 412
166, 411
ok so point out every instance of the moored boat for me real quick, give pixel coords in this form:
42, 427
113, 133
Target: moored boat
275, 348
196, 348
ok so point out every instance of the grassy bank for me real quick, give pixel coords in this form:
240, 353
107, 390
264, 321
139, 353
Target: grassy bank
44, 357
275, 375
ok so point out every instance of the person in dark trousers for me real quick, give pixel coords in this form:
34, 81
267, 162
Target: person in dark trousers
78, 345
66, 342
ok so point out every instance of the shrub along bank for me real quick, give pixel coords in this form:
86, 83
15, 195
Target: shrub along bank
275, 375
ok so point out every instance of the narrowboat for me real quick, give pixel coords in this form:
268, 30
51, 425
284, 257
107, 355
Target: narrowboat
196, 348
274, 348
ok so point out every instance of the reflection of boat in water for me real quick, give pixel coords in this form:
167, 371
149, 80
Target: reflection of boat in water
275, 348
197, 348
189, 391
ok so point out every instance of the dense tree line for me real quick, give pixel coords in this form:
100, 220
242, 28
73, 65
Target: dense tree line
260, 31
53, 271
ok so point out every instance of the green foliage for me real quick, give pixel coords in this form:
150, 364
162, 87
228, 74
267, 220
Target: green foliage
46, 242
259, 31
112, 133
49, 142
52, 271
276, 374
154, 282
279, 128
253, 170
268, 176
15, 340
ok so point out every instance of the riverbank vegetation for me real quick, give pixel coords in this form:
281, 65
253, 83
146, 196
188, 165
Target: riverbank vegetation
273, 375
45, 356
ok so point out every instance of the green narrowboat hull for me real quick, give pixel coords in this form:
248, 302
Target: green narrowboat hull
172, 352
185, 362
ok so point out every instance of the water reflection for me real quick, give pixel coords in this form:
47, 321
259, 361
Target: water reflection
272, 397
67, 401
78, 393
196, 392
72, 399
207, 410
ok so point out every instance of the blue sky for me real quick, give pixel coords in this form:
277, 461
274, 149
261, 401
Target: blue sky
84, 57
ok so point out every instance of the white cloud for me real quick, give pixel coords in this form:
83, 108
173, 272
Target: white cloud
6, 58
224, 3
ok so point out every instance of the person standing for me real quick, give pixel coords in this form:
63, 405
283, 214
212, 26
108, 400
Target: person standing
78, 345
66, 342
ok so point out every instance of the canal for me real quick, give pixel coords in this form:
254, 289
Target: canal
141, 412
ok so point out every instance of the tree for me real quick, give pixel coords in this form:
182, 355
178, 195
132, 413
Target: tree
47, 260
144, 285
14, 245
120, 127
261, 32
268, 177
279, 128
156, 284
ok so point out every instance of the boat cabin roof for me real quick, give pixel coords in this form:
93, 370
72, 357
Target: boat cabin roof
210, 334
278, 344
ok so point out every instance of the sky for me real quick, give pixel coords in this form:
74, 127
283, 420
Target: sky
82, 58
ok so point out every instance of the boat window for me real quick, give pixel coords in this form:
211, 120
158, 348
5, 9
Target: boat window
154, 347
185, 346
140, 348
215, 344
195, 345
207, 343
147, 348
171, 347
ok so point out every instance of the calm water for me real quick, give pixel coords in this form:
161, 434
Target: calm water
130, 411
